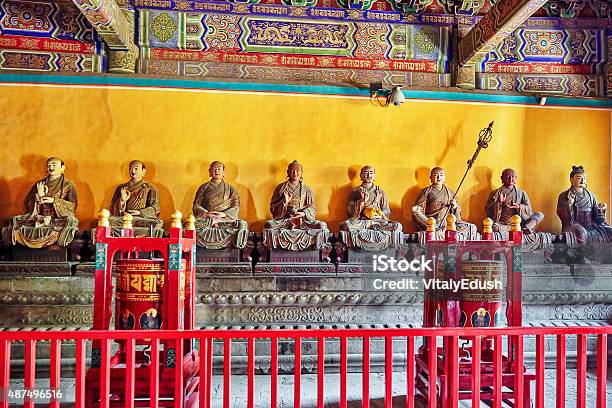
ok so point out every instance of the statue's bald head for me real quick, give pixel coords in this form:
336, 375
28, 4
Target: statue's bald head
216, 170
55, 167
508, 177
437, 170
56, 159
135, 162
217, 163
367, 174
437, 176
137, 170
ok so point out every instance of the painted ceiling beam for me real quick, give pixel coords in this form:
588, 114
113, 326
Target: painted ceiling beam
503, 18
108, 20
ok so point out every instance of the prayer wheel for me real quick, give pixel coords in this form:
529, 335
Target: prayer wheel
139, 294
481, 293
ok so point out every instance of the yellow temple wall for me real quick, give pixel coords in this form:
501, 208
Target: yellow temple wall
97, 131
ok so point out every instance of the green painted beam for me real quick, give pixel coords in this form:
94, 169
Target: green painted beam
178, 83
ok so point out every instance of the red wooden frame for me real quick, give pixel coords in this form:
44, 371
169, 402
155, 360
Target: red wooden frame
173, 366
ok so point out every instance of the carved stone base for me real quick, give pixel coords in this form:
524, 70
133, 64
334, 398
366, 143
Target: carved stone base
281, 256
217, 268
354, 268
301, 268
357, 260
53, 253
29, 268
226, 255
360, 256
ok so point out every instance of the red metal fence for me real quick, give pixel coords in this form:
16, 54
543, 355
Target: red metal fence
453, 386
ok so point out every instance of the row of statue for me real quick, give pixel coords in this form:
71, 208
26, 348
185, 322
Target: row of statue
52, 201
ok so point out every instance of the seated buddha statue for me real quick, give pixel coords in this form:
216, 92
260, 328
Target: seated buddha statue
368, 226
580, 213
216, 207
51, 204
294, 226
509, 200
140, 199
437, 201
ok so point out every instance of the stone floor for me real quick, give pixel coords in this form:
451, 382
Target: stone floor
309, 390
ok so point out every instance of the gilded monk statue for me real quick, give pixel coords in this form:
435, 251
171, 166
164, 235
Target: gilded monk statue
368, 226
139, 198
433, 202
51, 205
509, 200
580, 213
216, 207
294, 226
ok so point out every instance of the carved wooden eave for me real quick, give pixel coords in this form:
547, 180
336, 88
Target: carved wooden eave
107, 18
505, 17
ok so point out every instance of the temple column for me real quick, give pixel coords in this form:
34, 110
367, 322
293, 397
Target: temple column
124, 61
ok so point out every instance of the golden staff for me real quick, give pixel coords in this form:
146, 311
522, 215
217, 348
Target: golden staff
484, 137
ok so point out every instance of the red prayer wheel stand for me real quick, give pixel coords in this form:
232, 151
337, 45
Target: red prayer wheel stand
478, 267
151, 294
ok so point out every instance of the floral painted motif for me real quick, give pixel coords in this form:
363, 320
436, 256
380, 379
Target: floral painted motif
163, 27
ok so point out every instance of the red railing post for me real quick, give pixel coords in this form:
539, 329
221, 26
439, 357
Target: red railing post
274, 372
29, 373
602, 364
518, 373
154, 374
487, 230
365, 379
476, 354
560, 371
540, 363
388, 371
179, 392
320, 372
497, 371
5, 371
343, 347
227, 372
410, 372
297, 373
581, 362
452, 394
79, 395
209, 370
430, 232
54, 378
105, 374
432, 361
130, 368
204, 402
250, 372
